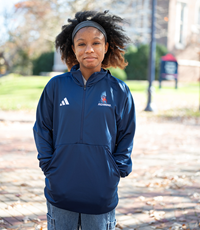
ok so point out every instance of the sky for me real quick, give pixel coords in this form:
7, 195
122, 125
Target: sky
8, 6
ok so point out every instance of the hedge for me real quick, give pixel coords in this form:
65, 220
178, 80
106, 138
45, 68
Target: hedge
43, 63
118, 73
137, 59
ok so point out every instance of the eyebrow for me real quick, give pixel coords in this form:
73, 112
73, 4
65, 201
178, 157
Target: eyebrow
79, 39
84, 39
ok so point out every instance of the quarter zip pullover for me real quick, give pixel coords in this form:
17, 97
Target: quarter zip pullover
84, 137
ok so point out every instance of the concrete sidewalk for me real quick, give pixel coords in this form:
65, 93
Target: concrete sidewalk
162, 192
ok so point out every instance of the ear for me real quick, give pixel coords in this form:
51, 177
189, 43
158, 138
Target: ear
73, 49
106, 47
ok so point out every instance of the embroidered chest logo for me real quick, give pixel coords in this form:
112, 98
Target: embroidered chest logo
103, 100
64, 102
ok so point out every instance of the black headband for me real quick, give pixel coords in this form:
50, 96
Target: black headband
88, 24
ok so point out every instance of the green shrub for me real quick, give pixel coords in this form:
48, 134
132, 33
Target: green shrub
137, 59
21, 63
43, 63
118, 73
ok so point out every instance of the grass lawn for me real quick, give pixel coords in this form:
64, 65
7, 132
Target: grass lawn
167, 87
18, 92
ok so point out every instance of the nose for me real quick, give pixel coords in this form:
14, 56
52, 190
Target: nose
89, 49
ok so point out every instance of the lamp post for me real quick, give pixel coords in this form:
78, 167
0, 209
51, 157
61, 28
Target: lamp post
152, 54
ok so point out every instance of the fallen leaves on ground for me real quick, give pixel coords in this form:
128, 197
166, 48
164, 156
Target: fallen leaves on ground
119, 226
196, 195
177, 226
157, 215
38, 227
16, 205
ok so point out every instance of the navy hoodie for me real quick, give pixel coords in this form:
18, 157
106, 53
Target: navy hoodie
84, 137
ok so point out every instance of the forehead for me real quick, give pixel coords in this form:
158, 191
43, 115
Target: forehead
90, 32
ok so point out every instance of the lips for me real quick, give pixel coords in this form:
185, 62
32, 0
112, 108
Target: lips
89, 58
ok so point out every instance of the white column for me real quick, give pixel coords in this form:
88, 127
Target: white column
58, 66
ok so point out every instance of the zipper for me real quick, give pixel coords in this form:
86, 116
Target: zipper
82, 115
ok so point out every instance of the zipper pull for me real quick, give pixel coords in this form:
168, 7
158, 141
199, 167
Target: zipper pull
84, 87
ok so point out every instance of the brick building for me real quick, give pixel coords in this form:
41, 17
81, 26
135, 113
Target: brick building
178, 28
181, 32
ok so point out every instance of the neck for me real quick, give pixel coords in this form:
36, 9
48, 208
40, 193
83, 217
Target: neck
88, 72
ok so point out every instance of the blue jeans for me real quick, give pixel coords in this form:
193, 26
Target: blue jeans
60, 219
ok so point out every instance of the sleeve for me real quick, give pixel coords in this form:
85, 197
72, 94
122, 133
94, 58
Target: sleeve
126, 123
42, 129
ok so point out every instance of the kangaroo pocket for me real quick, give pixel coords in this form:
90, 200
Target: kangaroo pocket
83, 178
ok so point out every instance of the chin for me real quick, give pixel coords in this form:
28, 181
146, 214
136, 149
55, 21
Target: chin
91, 66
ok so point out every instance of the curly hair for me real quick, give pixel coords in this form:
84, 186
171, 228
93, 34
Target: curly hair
115, 37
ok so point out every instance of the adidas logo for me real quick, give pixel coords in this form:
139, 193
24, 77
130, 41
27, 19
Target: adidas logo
64, 102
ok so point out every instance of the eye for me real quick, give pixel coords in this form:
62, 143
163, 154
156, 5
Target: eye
96, 43
81, 44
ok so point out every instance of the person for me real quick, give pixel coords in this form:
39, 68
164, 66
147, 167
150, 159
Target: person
85, 125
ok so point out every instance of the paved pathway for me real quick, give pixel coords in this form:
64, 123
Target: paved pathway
162, 192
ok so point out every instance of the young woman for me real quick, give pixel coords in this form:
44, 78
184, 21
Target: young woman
85, 125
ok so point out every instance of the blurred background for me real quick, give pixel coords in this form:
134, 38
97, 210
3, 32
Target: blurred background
163, 190
27, 53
